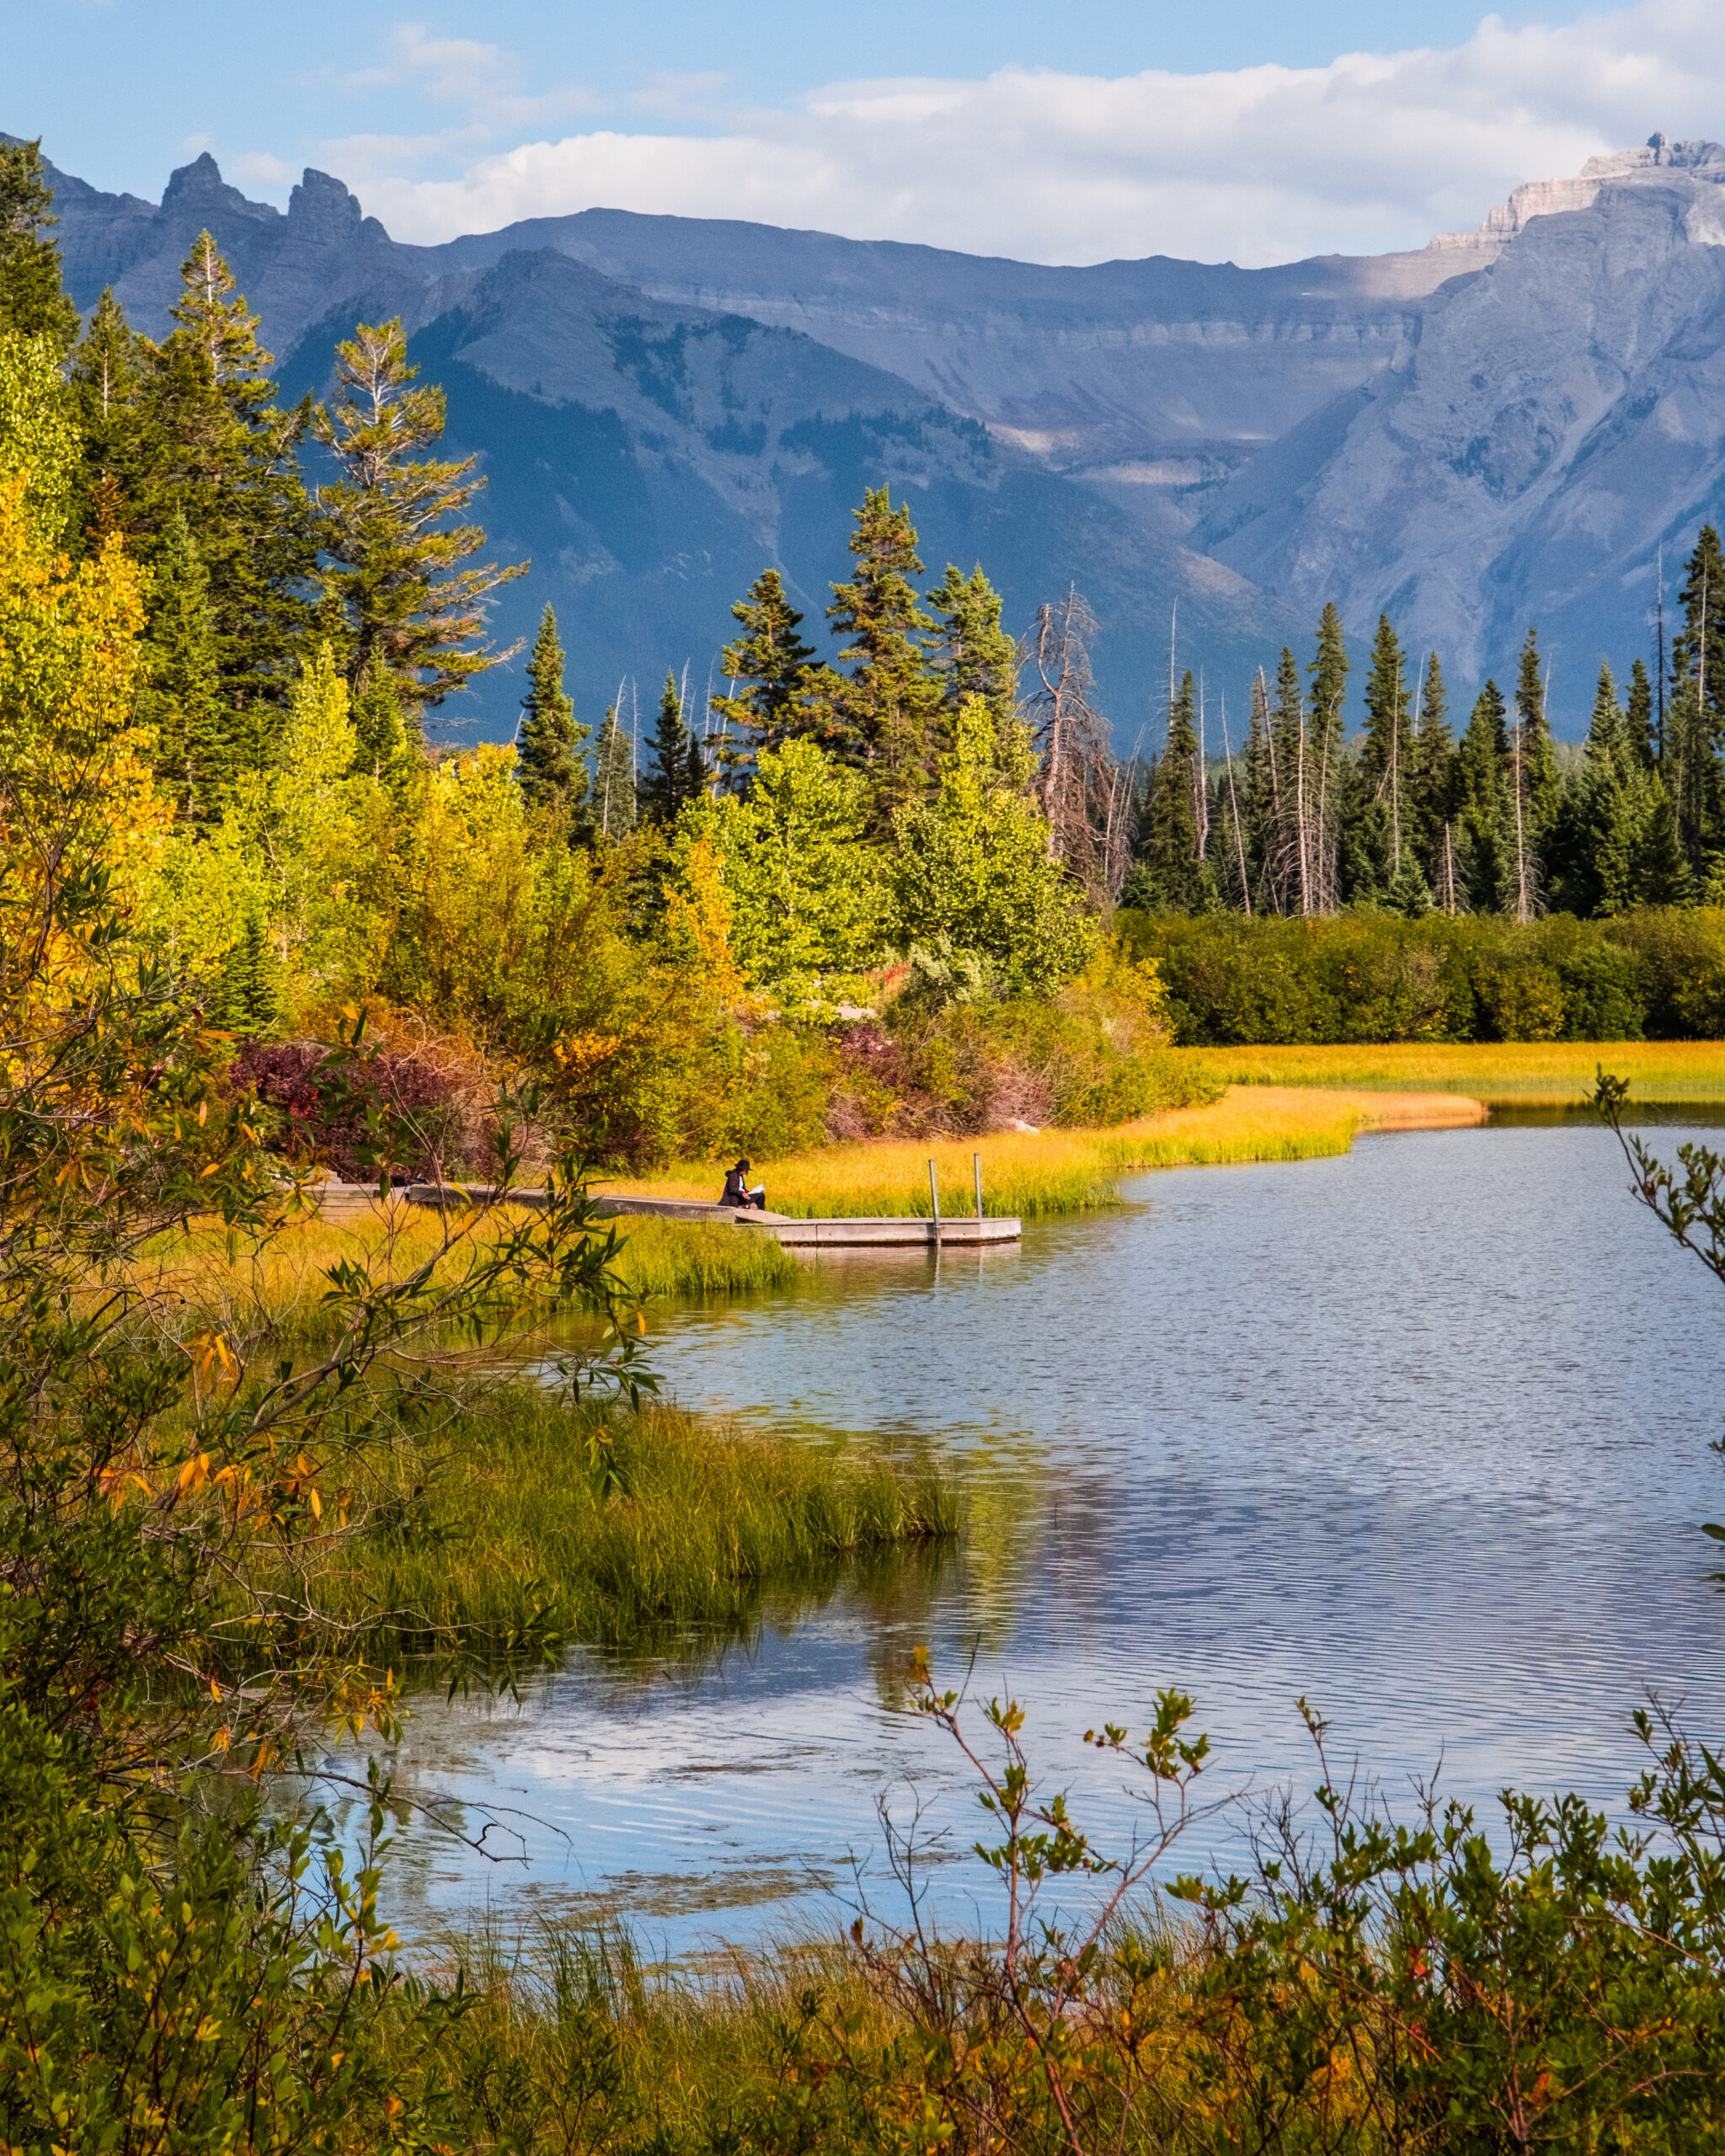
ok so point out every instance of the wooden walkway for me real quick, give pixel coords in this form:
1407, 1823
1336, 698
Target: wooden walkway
355, 1201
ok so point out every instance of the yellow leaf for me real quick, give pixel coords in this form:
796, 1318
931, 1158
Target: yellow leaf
317, 1505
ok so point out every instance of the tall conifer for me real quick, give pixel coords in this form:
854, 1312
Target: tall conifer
615, 805
550, 747
666, 785
194, 755
1168, 843
772, 673
394, 553
32, 302
887, 708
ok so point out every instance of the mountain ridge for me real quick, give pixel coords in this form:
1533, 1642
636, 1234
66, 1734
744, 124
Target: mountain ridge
1398, 432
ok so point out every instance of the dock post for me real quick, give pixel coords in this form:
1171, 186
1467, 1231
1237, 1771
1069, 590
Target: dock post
934, 1200
976, 1170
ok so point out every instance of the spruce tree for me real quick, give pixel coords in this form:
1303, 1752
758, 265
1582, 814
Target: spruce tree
1377, 817
1430, 793
887, 709
1663, 875
1326, 734
392, 549
205, 437
776, 670
1167, 850
615, 808
973, 654
1695, 711
550, 748
1639, 717
32, 302
1480, 795
181, 700
384, 749
105, 379
1541, 789
1258, 809
666, 785
695, 771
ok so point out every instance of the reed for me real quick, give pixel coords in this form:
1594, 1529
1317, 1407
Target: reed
516, 1510
1533, 1073
272, 1291
1035, 1174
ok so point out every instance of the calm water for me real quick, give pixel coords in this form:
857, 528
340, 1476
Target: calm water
1420, 1434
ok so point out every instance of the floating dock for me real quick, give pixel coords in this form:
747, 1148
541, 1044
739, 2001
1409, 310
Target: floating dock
909, 1229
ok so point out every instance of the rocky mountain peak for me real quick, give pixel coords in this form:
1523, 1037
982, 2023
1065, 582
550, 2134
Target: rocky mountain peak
199, 187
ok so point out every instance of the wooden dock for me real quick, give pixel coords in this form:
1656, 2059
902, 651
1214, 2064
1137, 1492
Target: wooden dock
357, 1201
908, 1230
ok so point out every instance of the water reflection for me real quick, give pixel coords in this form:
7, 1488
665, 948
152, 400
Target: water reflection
1420, 1433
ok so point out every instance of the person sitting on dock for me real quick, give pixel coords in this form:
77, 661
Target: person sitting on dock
737, 1191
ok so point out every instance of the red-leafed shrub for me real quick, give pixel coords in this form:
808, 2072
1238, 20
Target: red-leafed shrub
356, 1116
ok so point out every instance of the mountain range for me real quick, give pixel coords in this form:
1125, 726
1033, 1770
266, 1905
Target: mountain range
1508, 426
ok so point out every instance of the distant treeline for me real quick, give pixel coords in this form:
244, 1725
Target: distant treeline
1301, 820
1657, 974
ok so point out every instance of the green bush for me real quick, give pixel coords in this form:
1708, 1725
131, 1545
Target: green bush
1656, 974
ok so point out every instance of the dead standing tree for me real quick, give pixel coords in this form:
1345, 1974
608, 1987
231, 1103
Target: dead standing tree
1084, 791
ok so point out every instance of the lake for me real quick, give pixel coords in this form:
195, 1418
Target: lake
1420, 1434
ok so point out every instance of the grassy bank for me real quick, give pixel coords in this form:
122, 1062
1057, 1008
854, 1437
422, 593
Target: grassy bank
513, 1509
1046, 1172
275, 1292
1538, 1073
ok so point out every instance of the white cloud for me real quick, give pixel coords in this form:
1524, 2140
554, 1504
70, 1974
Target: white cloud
484, 80
258, 168
1262, 164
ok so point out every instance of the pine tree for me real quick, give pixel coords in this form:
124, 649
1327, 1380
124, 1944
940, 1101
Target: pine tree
104, 377
973, 654
887, 709
32, 302
1167, 850
393, 550
1663, 875
384, 749
1296, 875
666, 786
550, 750
195, 758
1480, 796
1604, 827
1695, 711
1377, 813
205, 437
778, 672
1326, 735
1258, 810
614, 809
1542, 790
247, 998
695, 771
1639, 717
1432, 782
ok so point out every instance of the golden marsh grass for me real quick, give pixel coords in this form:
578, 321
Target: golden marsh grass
1534, 1073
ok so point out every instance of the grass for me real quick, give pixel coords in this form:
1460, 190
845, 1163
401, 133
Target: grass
1035, 1175
1535, 1073
272, 1292
516, 1508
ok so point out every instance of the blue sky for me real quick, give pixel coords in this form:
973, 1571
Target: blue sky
1251, 130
